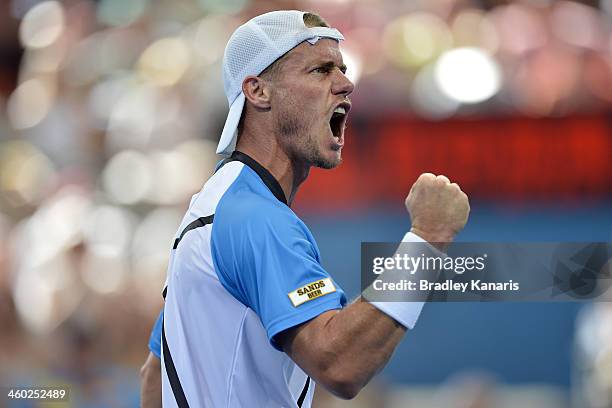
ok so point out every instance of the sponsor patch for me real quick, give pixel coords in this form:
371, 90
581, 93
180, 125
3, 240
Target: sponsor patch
311, 291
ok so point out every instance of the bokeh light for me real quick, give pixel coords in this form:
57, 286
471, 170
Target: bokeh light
42, 25
107, 234
179, 173
108, 230
30, 103
552, 75
165, 61
207, 38
46, 288
577, 24
520, 28
415, 39
366, 44
133, 117
34, 302
104, 95
473, 28
128, 177
428, 100
468, 75
222, 6
104, 274
43, 60
150, 251
25, 173
121, 13
57, 225
354, 65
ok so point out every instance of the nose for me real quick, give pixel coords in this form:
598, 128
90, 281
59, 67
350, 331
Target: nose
342, 85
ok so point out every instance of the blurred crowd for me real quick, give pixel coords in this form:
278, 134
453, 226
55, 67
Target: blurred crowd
109, 115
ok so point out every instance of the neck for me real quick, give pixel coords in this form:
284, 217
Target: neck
289, 174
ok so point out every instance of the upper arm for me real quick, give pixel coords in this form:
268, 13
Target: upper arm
308, 345
268, 260
301, 342
343, 349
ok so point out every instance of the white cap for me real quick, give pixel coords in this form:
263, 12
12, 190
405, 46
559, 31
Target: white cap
252, 48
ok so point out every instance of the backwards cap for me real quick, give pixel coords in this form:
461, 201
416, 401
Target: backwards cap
252, 48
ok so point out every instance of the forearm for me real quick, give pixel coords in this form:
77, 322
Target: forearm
150, 386
362, 339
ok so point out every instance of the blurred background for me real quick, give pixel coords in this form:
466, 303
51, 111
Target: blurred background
109, 115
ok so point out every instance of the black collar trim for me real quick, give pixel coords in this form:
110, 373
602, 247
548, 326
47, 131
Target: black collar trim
261, 171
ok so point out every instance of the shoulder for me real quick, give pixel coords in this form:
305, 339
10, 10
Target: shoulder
249, 202
251, 215
260, 225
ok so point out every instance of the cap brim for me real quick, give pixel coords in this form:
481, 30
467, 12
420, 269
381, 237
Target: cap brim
229, 136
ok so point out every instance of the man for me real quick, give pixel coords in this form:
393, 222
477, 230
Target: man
251, 318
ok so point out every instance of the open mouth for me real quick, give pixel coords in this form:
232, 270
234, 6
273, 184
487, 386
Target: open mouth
337, 122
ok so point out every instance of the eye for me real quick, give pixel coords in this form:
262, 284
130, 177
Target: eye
320, 70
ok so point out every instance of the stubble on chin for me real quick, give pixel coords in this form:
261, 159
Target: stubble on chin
328, 164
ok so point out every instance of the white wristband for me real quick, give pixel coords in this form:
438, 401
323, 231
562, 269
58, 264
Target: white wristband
412, 237
406, 313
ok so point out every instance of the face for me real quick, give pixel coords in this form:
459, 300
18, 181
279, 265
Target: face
310, 105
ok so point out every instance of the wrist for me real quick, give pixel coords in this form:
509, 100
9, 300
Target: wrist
404, 307
439, 240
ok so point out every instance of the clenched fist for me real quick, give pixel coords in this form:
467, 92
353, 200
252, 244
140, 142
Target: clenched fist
438, 208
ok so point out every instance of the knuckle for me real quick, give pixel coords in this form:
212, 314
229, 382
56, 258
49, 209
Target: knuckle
427, 177
443, 179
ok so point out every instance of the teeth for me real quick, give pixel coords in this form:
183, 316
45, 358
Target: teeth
340, 110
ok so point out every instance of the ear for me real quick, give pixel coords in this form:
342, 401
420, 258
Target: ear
257, 92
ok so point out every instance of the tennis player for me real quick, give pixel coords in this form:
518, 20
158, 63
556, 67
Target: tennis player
251, 318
